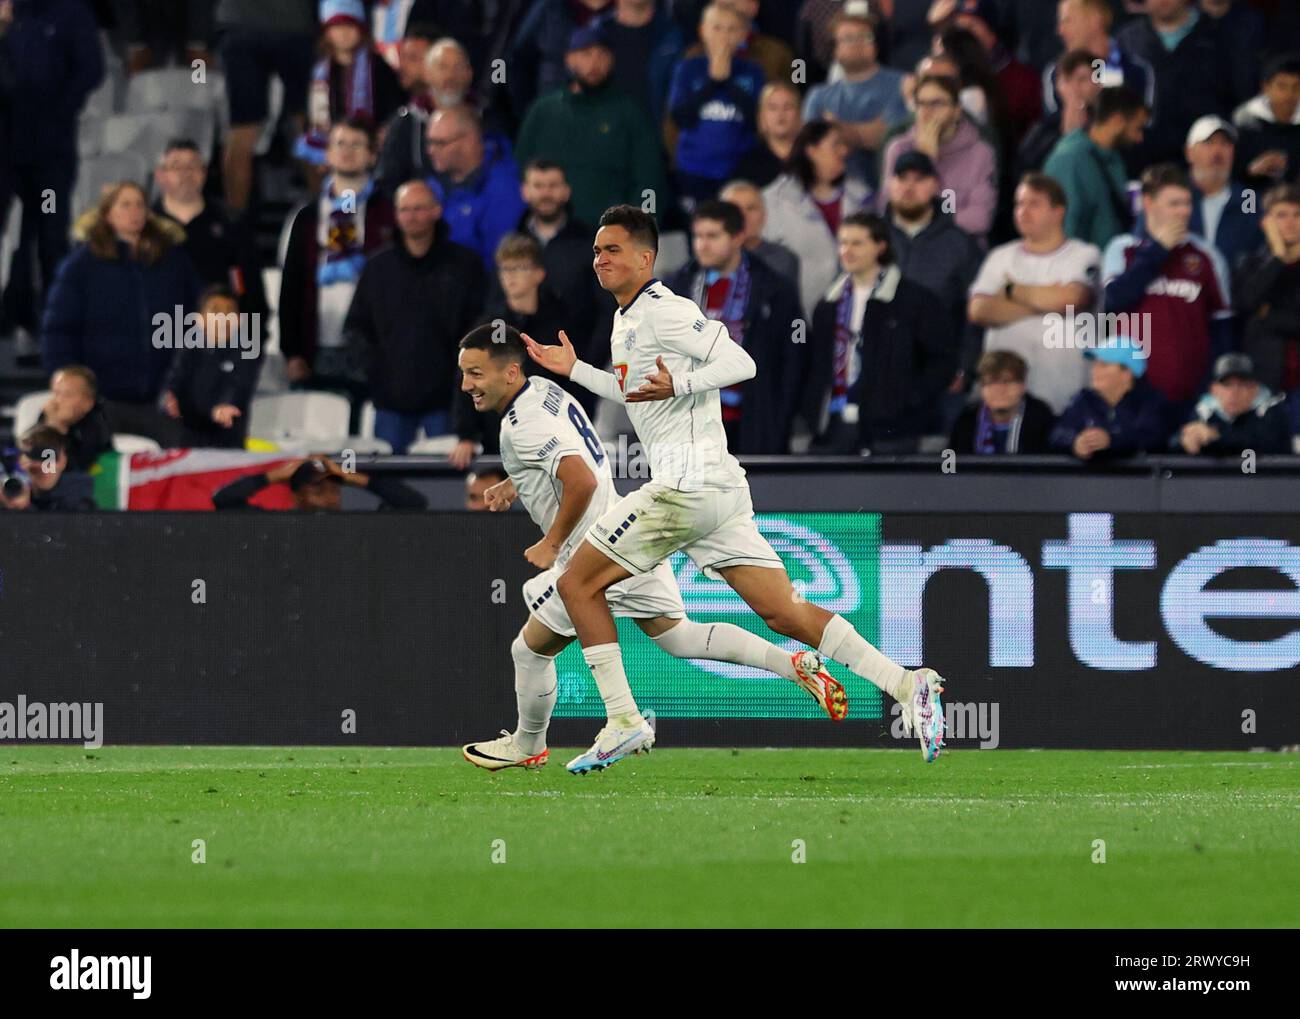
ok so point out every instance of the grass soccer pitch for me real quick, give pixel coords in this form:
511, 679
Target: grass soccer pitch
417, 837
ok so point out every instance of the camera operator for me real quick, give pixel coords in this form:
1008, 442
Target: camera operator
45, 482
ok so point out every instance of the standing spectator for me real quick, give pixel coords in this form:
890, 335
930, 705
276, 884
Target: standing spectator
1007, 419
1176, 279
1236, 415
806, 205
209, 388
51, 483
156, 31
779, 121
52, 54
771, 53
412, 56
538, 60
609, 150
1076, 89
258, 40
1223, 212
966, 163
1241, 28
1027, 290
221, 249
413, 303
1268, 150
329, 241
113, 305
713, 102
74, 408
1088, 165
1268, 293
983, 95
1019, 84
393, 22
646, 44
759, 309
1086, 25
867, 102
748, 198
1119, 414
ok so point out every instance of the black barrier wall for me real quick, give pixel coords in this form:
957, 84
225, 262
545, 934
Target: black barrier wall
1055, 630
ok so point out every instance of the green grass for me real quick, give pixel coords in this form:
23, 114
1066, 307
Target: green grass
367, 837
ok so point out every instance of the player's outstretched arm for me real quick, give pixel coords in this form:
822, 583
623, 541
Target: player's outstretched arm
556, 357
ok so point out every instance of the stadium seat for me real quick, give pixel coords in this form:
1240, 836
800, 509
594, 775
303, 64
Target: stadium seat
365, 444
124, 442
367, 423
90, 137
313, 417
674, 252
106, 168
27, 410
438, 445
173, 88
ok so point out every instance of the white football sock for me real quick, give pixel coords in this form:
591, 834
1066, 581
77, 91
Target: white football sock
535, 686
606, 664
841, 643
725, 642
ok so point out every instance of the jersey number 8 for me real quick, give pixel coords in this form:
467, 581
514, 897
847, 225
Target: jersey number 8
588, 436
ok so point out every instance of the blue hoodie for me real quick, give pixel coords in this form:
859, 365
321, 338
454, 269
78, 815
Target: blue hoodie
486, 205
717, 118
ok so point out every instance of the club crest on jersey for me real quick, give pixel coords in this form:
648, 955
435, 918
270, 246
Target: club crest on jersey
1192, 263
629, 341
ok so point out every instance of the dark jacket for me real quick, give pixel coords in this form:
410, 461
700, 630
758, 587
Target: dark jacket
223, 252
1265, 428
1258, 131
74, 493
408, 315
1138, 424
1239, 231
202, 378
1267, 295
770, 400
392, 493
1032, 436
89, 439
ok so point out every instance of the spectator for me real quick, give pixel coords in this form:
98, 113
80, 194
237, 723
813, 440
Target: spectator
1223, 212
209, 388
113, 306
713, 102
351, 82
221, 250
1037, 290
51, 483
1029, 29
403, 154
412, 57
609, 150
1236, 415
867, 102
1088, 165
1013, 88
748, 198
909, 33
52, 53
329, 241
538, 59
317, 486
759, 309
881, 349
807, 203
257, 40
1241, 28
646, 45
394, 22
1268, 150
779, 122
1190, 64
154, 32
966, 163
478, 482
1119, 414
1176, 279
1086, 25
813, 41
1268, 293
1076, 90
74, 408
773, 55
413, 303
1007, 419
475, 180
982, 95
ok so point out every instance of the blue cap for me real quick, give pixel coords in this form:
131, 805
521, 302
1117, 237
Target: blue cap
590, 34
1120, 350
332, 12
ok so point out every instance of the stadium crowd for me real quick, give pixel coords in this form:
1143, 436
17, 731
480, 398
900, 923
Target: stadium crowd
995, 226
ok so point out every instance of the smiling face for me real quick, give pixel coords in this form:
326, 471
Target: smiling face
489, 381
620, 263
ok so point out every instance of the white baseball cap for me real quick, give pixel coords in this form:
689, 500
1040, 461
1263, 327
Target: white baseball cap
1208, 126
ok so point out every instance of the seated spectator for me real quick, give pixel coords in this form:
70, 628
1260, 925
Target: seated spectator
1089, 166
646, 45
779, 122
50, 483
882, 351
759, 309
609, 149
317, 485
351, 82
1007, 419
1030, 289
1236, 415
209, 388
1076, 89
412, 304
1268, 147
748, 198
807, 203
74, 408
1176, 279
221, 250
113, 307
477, 483
1267, 293
966, 163
1223, 212
1118, 414
329, 241
713, 102
475, 179
866, 102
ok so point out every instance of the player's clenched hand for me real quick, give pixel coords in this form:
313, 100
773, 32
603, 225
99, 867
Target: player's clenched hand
658, 386
542, 555
500, 496
559, 358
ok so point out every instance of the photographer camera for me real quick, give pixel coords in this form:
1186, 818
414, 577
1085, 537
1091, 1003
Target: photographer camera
42, 480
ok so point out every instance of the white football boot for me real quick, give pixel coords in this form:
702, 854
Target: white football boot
923, 713
613, 743
502, 752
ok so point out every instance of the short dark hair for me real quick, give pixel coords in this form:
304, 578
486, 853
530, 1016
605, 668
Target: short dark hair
83, 372
1282, 194
215, 292
944, 81
1164, 175
877, 228
182, 145
1283, 63
544, 166
519, 247
1072, 60
799, 164
640, 225
42, 437
1002, 362
500, 340
1045, 185
1117, 100
430, 33
358, 123
726, 213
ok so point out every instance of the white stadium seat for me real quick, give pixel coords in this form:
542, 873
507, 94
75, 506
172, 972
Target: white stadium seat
124, 442
674, 252
28, 410
310, 417
107, 168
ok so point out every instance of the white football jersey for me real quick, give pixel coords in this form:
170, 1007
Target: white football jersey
682, 437
540, 427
